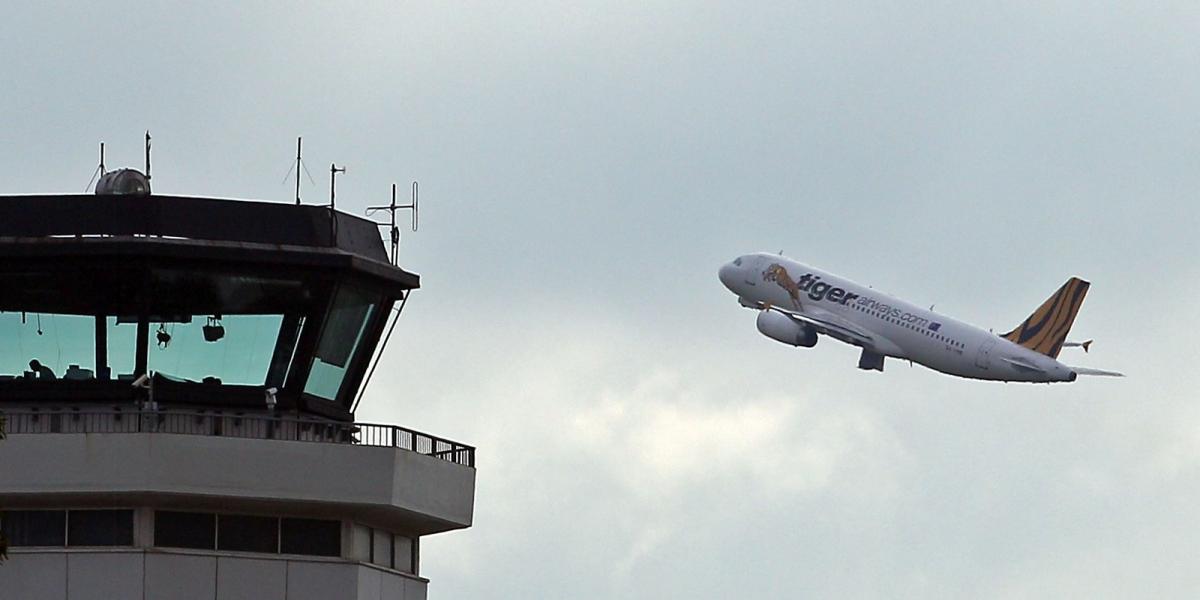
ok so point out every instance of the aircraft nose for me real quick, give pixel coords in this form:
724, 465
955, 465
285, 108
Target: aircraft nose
726, 274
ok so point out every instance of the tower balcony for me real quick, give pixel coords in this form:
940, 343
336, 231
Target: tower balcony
386, 475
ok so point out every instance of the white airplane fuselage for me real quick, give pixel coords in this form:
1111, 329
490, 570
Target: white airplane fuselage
882, 324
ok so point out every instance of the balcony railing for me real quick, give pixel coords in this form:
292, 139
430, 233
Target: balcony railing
253, 426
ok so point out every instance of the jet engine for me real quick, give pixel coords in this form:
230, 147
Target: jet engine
782, 328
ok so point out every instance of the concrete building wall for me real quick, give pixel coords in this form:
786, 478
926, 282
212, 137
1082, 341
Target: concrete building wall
104, 575
160, 575
396, 488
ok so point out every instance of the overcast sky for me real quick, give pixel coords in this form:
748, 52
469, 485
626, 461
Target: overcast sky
587, 166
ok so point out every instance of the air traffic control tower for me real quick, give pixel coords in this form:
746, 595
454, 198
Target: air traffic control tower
177, 380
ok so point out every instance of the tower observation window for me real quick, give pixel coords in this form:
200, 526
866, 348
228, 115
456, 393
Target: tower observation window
62, 347
233, 349
340, 339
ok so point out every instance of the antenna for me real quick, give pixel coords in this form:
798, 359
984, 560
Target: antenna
299, 143
298, 166
392, 229
333, 171
147, 154
99, 172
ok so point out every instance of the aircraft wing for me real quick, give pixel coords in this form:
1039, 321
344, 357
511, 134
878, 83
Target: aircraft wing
833, 326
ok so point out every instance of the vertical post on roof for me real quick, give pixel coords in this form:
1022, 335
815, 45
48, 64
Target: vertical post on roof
299, 140
333, 171
394, 232
147, 154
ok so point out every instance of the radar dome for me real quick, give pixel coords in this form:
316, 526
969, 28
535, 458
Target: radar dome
123, 182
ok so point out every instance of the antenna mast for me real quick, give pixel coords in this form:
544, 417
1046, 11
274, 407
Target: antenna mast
333, 171
99, 172
299, 141
391, 225
147, 154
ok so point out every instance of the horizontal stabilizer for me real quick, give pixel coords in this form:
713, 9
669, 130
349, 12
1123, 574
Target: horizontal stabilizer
1096, 372
1084, 345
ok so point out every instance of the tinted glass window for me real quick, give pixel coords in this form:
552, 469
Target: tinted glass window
247, 534
185, 530
35, 527
64, 346
232, 349
122, 349
344, 325
100, 528
311, 536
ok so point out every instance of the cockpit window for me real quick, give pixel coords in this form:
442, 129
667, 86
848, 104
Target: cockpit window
737, 262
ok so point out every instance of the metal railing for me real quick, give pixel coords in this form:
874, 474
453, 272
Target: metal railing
222, 423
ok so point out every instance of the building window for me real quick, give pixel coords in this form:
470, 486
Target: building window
100, 528
343, 331
185, 530
35, 527
248, 534
47, 346
230, 349
313, 537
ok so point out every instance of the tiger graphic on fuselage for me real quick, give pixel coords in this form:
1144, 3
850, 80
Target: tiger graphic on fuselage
780, 276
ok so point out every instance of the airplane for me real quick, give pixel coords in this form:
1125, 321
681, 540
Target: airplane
797, 302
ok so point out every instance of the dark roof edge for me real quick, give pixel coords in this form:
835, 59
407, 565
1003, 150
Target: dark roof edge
197, 218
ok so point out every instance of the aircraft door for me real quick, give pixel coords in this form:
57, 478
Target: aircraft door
983, 359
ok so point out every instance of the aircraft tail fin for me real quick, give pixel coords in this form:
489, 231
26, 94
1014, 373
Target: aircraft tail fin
1046, 329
